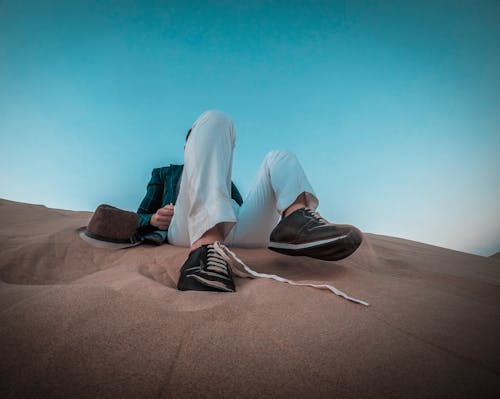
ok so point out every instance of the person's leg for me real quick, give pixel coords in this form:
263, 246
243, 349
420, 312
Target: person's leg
280, 187
203, 211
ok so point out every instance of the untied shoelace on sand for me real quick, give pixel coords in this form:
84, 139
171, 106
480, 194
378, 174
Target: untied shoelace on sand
231, 258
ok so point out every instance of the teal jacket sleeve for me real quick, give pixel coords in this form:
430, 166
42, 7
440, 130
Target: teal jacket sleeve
156, 192
152, 201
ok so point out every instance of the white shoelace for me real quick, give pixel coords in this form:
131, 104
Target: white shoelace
317, 216
216, 263
231, 258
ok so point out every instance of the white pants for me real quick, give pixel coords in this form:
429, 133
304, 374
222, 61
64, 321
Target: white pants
205, 192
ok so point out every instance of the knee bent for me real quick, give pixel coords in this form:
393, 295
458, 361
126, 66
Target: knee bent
276, 155
217, 116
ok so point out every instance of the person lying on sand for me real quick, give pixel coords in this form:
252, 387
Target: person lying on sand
196, 205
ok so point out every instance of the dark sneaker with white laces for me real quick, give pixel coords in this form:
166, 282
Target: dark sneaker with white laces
305, 233
206, 270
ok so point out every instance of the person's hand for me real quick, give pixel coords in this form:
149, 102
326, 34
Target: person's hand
163, 217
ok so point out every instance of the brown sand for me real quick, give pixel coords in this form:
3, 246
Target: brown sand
82, 322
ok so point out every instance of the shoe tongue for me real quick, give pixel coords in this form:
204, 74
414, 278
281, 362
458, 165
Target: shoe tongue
295, 212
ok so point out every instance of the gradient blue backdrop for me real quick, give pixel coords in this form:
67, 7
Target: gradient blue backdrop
392, 106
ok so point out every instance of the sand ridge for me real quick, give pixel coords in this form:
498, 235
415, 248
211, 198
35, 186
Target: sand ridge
79, 321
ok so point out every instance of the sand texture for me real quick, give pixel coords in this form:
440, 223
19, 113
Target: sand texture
83, 322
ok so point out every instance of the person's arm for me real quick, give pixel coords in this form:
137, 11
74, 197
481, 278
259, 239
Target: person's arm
152, 201
162, 218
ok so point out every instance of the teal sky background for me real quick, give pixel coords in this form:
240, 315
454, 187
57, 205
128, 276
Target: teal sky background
391, 106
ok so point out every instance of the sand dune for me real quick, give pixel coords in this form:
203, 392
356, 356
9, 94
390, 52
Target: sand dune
83, 322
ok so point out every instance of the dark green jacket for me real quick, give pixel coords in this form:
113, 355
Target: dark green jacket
163, 189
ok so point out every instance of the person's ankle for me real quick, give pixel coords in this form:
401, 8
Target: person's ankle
206, 239
200, 243
299, 203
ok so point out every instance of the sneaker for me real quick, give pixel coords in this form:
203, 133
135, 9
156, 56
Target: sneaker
305, 233
206, 270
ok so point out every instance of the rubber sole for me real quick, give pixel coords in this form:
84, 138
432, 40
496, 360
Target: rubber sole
306, 245
331, 250
195, 283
